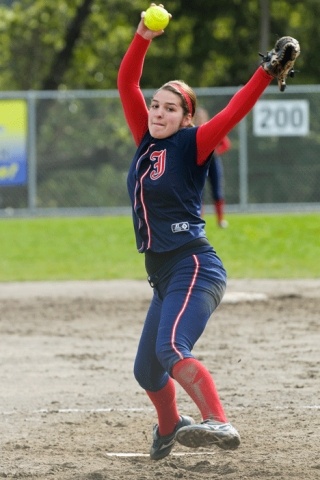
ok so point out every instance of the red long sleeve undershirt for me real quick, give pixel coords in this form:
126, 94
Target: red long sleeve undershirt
209, 134
224, 146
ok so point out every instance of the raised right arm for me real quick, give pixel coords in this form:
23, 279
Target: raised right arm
132, 99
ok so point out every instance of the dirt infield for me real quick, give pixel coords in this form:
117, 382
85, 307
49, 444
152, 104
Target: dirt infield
71, 409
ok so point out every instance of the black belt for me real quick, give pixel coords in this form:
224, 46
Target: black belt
154, 261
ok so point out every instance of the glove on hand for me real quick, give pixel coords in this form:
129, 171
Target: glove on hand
279, 62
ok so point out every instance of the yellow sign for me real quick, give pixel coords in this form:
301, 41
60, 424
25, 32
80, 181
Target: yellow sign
13, 142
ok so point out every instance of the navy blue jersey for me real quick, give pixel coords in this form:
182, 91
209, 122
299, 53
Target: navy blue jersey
167, 176
165, 185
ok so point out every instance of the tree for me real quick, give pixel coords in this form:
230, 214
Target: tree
78, 44
264, 25
62, 58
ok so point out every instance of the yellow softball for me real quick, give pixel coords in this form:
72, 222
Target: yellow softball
156, 18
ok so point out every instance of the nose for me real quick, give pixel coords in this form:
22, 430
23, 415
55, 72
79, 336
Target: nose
159, 112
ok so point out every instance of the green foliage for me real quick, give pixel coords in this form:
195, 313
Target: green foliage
91, 154
95, 248
206, 43
32, 31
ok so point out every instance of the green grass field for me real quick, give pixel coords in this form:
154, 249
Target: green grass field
96, 248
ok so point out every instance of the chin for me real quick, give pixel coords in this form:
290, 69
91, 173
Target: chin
157, 135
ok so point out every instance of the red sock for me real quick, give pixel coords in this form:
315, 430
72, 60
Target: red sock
219, 207
199, 385
164, 401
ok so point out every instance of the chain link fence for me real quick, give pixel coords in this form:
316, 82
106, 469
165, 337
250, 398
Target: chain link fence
68, 152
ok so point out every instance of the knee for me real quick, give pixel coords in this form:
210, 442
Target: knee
166, 356
144, 375
150, 378
140, 374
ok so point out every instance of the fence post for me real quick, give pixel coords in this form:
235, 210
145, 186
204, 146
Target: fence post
32, 153
243, 165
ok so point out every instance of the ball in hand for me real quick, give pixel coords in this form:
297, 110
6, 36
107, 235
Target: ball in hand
156, 18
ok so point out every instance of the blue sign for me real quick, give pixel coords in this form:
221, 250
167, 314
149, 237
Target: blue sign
13, 142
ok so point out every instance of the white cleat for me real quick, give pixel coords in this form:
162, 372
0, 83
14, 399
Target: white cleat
209, 433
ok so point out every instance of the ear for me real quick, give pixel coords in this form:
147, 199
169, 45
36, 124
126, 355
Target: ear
187, 120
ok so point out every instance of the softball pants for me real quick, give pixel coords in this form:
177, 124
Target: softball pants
185, 296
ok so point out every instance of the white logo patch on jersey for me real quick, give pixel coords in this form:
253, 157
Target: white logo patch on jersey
180, 227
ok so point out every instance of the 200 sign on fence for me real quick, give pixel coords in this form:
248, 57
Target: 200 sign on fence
281, 118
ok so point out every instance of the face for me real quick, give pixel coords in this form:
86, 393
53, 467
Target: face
166, 115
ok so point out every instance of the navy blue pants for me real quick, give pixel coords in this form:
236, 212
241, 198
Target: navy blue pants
184, 298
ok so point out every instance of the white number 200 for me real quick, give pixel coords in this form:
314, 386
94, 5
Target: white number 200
281, 118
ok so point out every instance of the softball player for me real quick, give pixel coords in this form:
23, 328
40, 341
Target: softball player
215, 170
165, 184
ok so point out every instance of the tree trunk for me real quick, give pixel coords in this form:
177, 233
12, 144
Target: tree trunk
264, 26
62, 59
